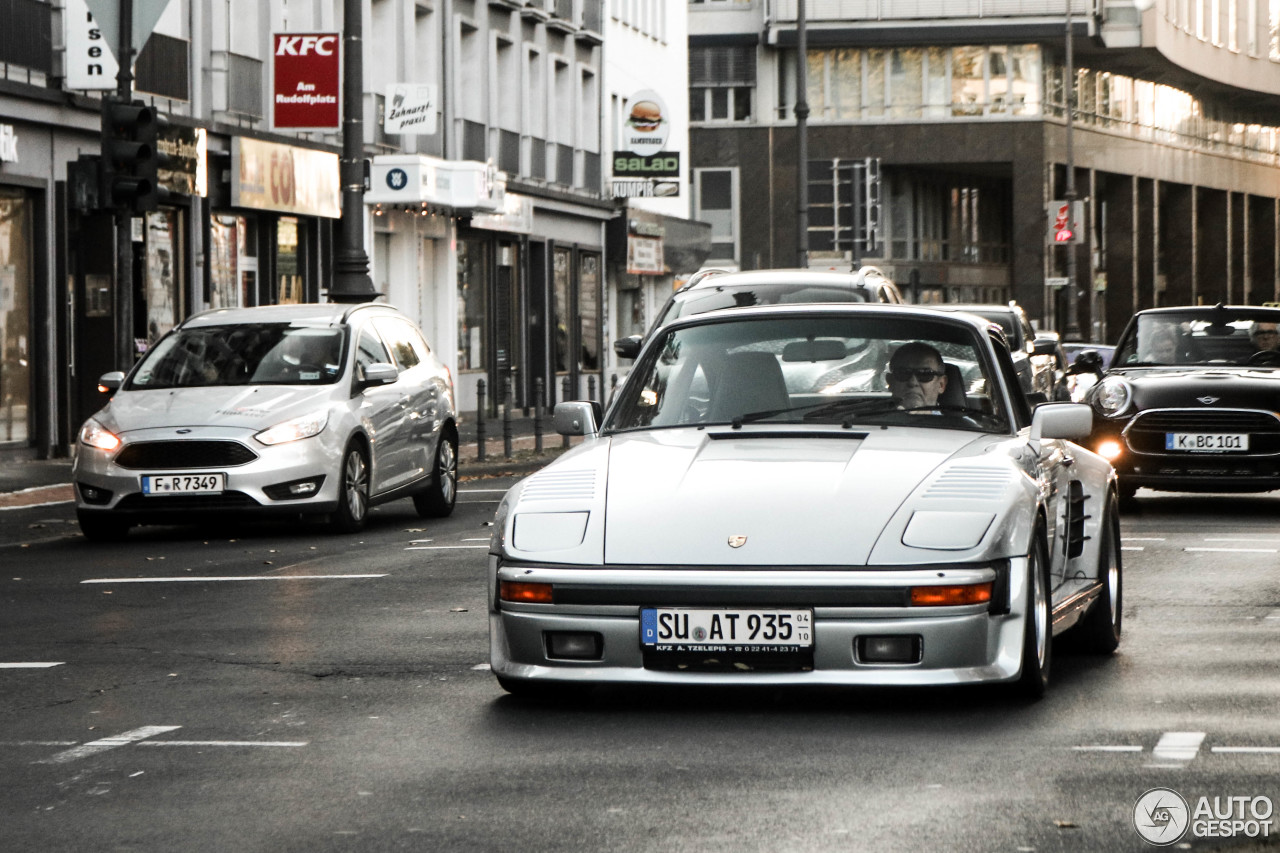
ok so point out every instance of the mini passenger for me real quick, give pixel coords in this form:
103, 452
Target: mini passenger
916, 376
1162, 347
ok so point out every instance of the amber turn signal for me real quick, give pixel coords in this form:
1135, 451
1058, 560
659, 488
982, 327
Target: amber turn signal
529, 593
943, 596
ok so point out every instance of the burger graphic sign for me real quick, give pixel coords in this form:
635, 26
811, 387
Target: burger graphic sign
647, 125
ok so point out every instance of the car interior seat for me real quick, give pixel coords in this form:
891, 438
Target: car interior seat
954, 394
748, 382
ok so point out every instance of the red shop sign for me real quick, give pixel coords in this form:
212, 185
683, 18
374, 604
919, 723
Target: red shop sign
307, 80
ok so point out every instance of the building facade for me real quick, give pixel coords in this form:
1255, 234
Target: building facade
497, 247
939, 146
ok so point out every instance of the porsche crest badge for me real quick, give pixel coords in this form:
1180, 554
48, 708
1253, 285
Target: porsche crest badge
737, 541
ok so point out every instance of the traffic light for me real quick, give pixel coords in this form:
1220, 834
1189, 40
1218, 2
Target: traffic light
131, 156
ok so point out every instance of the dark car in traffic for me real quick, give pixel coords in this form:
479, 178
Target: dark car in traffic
1189, 402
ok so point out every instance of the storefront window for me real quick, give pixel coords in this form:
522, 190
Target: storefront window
247, 260
224, 290
472, 304
16, 240
589, 307
289, 275
163, 278
560, 311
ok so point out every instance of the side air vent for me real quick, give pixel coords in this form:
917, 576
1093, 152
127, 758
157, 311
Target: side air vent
969, 484
560, 485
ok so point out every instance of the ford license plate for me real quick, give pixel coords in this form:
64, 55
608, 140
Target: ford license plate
182, 484
675, 629
1206, 442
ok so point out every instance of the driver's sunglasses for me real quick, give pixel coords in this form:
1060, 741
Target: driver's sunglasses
924, 375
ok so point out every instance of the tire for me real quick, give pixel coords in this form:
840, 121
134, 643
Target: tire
439, 498
97, 527
1037, 632
1099, 631
353, 490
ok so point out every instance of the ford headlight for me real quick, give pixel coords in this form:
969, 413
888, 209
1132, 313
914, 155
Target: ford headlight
293, 430
1112, 396
96, 435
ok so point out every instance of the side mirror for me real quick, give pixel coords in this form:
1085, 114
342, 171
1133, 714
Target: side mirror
1061, 420
1042, 347
109, 383
577, 417
380, 373
1089, 361
628, 347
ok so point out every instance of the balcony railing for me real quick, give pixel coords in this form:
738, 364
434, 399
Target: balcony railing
936, 10
244, 86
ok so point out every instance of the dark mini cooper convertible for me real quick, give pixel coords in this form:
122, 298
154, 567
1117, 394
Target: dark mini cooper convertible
1190, 401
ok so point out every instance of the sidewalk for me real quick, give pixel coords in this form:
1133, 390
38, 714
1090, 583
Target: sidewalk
32, 482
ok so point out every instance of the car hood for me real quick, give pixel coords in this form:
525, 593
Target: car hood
1180, 387
251, 407
682, 497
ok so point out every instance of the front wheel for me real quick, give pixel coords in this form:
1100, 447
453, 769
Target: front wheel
1099, 631
440, 497
97, 527
353, 491
1037, 631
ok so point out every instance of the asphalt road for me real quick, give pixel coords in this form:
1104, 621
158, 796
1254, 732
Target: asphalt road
275, 688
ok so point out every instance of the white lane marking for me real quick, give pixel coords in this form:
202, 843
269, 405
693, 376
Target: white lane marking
479, 491
446, 547
1235, 550
1106, 748
1178, 746
483, 667
1144, 538
38, 742
1265, 750
96, 746
1132, 548
1238, 539
32, 665
481, 539
224, 743
479, 502
230, 578
1273, 615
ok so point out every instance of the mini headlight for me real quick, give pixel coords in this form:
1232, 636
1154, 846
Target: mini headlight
96, 435
1112, 396
292, 430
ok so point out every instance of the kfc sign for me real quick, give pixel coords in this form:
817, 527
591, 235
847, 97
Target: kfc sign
307, 74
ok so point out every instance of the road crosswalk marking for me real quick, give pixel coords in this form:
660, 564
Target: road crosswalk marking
96, 746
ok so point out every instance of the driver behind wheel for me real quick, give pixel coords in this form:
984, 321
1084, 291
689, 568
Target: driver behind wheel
1264, 335
916, 376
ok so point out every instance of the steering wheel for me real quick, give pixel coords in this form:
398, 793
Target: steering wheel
1266, 357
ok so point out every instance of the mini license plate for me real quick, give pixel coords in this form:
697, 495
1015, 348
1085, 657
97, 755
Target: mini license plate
182, 484
679, 629
1206, 442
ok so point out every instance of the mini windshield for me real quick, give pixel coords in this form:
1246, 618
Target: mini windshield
813, 370
1209, 336
245, 354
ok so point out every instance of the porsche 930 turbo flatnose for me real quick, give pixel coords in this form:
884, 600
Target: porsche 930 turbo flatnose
781, 496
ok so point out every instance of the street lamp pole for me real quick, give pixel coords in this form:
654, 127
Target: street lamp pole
351, 282
1072, 332
802, 138
126, 349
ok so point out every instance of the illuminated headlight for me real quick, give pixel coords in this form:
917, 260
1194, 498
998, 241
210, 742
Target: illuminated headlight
1112, 396
292, 430
549, 531
96, 435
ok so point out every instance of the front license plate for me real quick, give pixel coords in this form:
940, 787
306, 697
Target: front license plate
678, 629
182, 484
1206, 442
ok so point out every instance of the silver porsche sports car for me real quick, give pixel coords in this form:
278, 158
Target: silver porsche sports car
809, 495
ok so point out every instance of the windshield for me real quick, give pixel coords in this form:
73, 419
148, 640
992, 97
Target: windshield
244, 354
702, 299
1214, 336
807, 370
